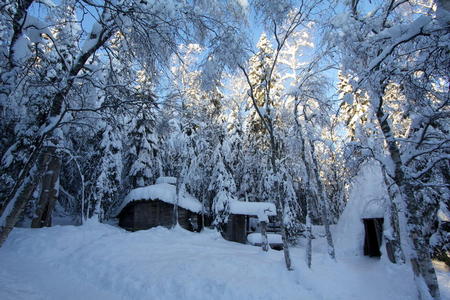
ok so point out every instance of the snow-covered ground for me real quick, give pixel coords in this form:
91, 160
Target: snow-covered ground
98, 261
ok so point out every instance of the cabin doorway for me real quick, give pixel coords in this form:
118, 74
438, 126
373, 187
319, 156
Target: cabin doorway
373, 236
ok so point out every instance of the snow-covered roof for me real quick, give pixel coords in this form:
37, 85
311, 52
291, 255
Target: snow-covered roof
164, 192
260, 209
367, 199
166, 179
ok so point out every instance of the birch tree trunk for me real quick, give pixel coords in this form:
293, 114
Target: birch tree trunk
308, 241
35, 165
313, 171
419, 255
393, 242
287, 255
280, 202
308, 193
323, 203
49, 192
15, 207
267, 123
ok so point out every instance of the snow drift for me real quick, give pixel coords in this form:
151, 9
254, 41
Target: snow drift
98, 261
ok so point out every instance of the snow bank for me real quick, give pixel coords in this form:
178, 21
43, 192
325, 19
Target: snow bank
98, 261
259, 209
164, 192
367, 199
273, 238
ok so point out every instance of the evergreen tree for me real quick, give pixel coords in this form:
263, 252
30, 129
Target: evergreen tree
223, 187
109, 180
143, 163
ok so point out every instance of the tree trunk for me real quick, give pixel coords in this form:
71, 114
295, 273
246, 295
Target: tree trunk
309, 235
287, 255
420, 258
280, 217
27, 180
16, 205
203, 215
323, 203
98, 210
264, 241
267, 121
328, 235
49, 191
280, 204
393, 242
175, 204
308, 242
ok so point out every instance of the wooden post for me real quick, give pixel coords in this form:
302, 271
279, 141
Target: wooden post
264, 241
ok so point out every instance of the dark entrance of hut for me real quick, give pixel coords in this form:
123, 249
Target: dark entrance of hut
373, 236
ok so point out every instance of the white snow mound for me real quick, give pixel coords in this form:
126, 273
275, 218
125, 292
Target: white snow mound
367, 199
97, 261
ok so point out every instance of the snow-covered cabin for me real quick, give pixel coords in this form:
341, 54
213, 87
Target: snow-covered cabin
238, 225
361, 227
153, 205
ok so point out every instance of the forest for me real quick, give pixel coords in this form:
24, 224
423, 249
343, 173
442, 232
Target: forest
309, 105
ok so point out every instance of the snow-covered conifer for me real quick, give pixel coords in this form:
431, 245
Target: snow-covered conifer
223, 187
143, 163
109, 181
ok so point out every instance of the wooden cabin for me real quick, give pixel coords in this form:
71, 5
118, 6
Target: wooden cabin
153, 205
238, 226
236, 229
145, 214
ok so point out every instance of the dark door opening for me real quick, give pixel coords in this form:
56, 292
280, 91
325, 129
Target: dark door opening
373, 237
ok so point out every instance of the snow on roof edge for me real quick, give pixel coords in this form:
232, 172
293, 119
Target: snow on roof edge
161, 191
260, 209
166, 179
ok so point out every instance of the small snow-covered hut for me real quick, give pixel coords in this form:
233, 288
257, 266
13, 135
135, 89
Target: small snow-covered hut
238, 225
153, 205
166, 179
361, 225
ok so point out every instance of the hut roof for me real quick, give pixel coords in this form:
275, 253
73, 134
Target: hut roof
260, 209
166, 179
367, 199
164, 192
